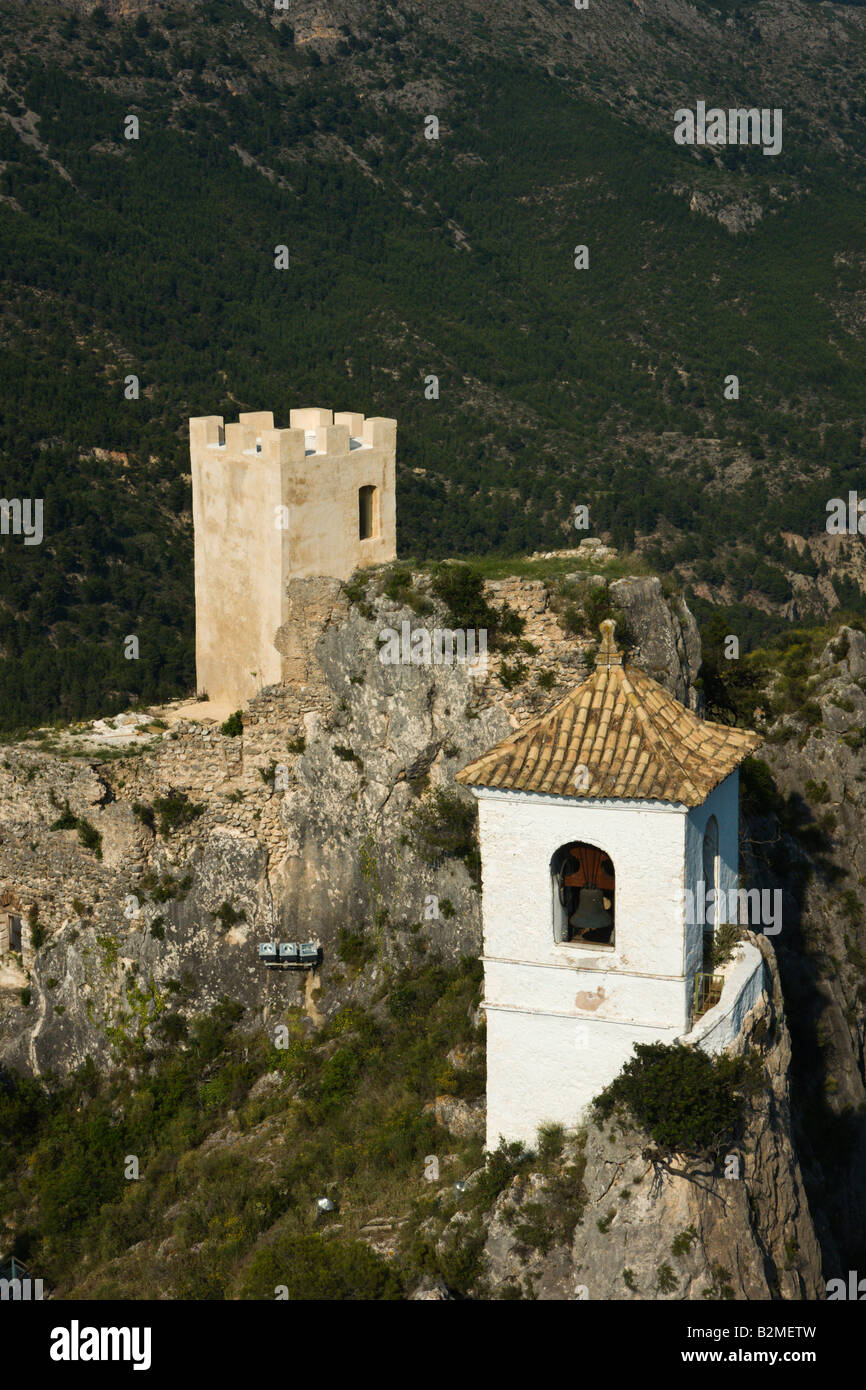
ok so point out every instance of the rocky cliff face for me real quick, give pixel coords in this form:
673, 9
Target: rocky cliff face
672, 1228
164, 870
807, 838
302, 827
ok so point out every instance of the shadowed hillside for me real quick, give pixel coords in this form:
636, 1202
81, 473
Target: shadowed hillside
412, 257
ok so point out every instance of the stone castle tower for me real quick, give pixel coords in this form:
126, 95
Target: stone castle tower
270, 505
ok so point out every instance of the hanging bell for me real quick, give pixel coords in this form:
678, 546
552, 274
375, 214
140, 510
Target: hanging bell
591, 914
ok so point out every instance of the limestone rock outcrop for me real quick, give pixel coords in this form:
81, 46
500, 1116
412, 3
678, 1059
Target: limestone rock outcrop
299, 828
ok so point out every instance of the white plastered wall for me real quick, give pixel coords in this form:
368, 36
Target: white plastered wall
561, 1018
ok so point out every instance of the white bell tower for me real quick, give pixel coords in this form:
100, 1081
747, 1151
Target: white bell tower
599, 822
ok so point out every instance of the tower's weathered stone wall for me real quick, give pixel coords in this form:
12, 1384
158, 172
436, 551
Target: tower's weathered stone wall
270, 505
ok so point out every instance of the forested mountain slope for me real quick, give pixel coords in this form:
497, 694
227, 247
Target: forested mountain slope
412, 257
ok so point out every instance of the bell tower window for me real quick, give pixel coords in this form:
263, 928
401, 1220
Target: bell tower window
584, 895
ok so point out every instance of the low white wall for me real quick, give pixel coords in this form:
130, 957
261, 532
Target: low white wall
744, 983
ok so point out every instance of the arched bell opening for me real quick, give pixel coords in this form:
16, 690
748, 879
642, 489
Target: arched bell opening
584, 894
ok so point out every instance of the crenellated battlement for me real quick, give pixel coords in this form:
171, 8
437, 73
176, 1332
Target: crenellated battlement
315, 499
311, 432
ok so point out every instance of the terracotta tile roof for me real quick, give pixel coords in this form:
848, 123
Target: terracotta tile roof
619, 734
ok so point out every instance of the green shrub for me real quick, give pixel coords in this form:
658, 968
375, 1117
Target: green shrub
597, 607
175, 810
817, 791
682, 1243
68, 821
353, 948
499, 1171
338, 1078
400, 1139
573, 620
460, 1259
512, 675
145, 814
399, 588
172, 1028
234, 725
851, 905
401, 1001
315, 1269
810, 713
724, 941
444, 826
89, 836
348, 755
355, 590
228, 917
687, 1101
721, 1288
551, 1138
551, 1221
461, 588
162, 890
758, 791
397, 581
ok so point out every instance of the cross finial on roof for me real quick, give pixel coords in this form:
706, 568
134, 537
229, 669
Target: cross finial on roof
608, 653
